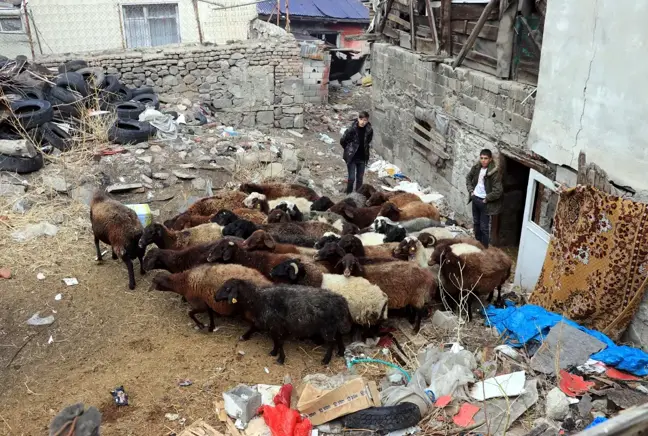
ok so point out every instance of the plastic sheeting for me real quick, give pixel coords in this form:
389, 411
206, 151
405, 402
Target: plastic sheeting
164, 123
532, 323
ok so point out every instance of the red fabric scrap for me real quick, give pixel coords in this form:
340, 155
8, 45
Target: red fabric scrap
620, 375
466, 414
443, 401
573, 385
281, 419
385, 341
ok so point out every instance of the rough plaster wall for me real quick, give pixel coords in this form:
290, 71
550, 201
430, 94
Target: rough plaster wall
222, 25
479, 111
592, 89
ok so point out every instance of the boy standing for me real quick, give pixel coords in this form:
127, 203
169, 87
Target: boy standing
485, 189
356, 143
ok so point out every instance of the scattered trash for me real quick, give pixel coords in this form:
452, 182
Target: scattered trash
120, 396
282, 419
185, 383
573, 385
466, 414
620, 375
295, 133
172, 416
143, 212
326, 139
443, 401
598, 420
50, 340
499, 414
58, 297
123, 187
592, 367
37, 320
267, 371
383, 168
5, 273
508, 351
506, 385
71, 281
242, 403
229, 131
40, 276
35, 230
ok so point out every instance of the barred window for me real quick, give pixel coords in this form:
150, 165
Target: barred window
11, 25
151, 25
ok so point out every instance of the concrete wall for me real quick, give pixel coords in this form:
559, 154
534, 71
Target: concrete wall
472, 110
592, 89
73, 26
252, 82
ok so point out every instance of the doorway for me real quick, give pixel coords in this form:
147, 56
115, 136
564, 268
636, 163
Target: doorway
507, 226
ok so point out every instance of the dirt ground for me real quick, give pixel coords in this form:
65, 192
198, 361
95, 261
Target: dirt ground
105, 336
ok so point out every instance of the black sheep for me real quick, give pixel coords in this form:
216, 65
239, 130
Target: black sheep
322, 204
395, 234
224, 217
240, 228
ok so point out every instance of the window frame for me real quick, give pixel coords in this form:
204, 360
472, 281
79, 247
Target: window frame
5, 16
144, 5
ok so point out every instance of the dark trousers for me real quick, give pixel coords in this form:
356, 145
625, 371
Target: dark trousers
356, 169
481, 221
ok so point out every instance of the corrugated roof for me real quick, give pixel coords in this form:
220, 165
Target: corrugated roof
325, 9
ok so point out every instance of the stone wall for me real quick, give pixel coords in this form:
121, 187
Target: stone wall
248, 83
466, 110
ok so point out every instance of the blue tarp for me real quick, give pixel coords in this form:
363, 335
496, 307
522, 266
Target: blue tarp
598, 420
331, 9
532, 323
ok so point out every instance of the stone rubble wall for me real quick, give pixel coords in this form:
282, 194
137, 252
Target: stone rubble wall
249, 83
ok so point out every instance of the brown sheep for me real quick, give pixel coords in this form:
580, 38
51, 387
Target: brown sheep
185, 221
118, 226
409, 211
176, 261
176, 240
273, 191
399, 198
210, 205
351, 244
360, 216
367, 190
441, 245
260, 240
200, 285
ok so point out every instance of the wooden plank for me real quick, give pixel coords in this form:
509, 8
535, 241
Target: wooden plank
446, 27
423, 31
432, 133
430, 15
429, 145
425, 45
398, 20
472, 12
473, 35
412, 25
466, 27
478, 56
362, 37
391, 32
433, 58
381, 27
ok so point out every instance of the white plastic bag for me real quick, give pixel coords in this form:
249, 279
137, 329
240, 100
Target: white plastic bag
166, 127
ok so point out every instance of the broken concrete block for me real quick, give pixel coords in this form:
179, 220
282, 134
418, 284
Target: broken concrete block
18, 147
557, 406
445, 320
10, 190
347, 83
121, 187
274, 170
242, 403
290, 160
356, 78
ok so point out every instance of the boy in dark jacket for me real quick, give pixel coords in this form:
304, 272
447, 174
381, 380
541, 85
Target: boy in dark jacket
356, 143
484, 186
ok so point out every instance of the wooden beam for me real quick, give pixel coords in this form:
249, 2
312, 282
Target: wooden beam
430, 15
398, 20
471, 12
466, 27
536, 44
446, 27
381, 26
478, 56
433, 58
475, 32
429, 145
433, 134
412, 25
362, 37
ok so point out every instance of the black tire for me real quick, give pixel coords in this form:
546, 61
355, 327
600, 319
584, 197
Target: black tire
74, 81
173, 114
389, 418
50, 133
148, 100
142, 90
124, 93
66, 103
72, 65
33, 94
63, 95
94, 77
21, 165
8, 131
129, 110
111, 84
130, 132
32, 113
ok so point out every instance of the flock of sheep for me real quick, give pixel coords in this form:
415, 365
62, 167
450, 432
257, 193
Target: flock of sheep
295, 264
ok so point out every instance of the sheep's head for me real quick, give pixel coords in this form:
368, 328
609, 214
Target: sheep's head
395, 234
330, 251
367, 190
350, 228
350, 264
253, 199
240, 228
152, 260
153, 233
182, 221
376, 199
259, 240
321, 204
427, 239
351, 244
291, 269
391, 211
278, 216
224, 217
234, 290
328, 237
161, 282
224, 251
380, 225
407, 249
249, 188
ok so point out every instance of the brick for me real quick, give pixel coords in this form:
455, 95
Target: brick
491, 84
521, 123
483, 109
489, 127
469, 102
479, 122
477, 79
453, 84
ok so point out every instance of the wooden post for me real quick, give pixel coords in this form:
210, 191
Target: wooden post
446, 26
412, 25
287, 16
29, 35
200, 32
40, 47
278, 11
272, 13
381, 26
432, 22
475, 32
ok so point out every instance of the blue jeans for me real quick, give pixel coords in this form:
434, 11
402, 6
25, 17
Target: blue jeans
356, 169
481, 221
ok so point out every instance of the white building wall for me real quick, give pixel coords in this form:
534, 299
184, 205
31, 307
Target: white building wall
592, 90
222, 25
14, 44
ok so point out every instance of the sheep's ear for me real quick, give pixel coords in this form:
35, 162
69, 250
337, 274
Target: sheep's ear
227, 253
269, 242
339, 251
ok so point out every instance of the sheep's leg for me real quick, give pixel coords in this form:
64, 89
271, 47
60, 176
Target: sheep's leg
500, 300
340, 344
490, 296
278, 348
140, 257
275, 347
192, 314
99, 257
248, 334
212, 323
329, 353
131, 273
419, 317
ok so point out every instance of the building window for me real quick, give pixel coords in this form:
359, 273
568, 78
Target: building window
151, 25
11, 24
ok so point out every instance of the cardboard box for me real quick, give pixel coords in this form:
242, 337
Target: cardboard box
323, 406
